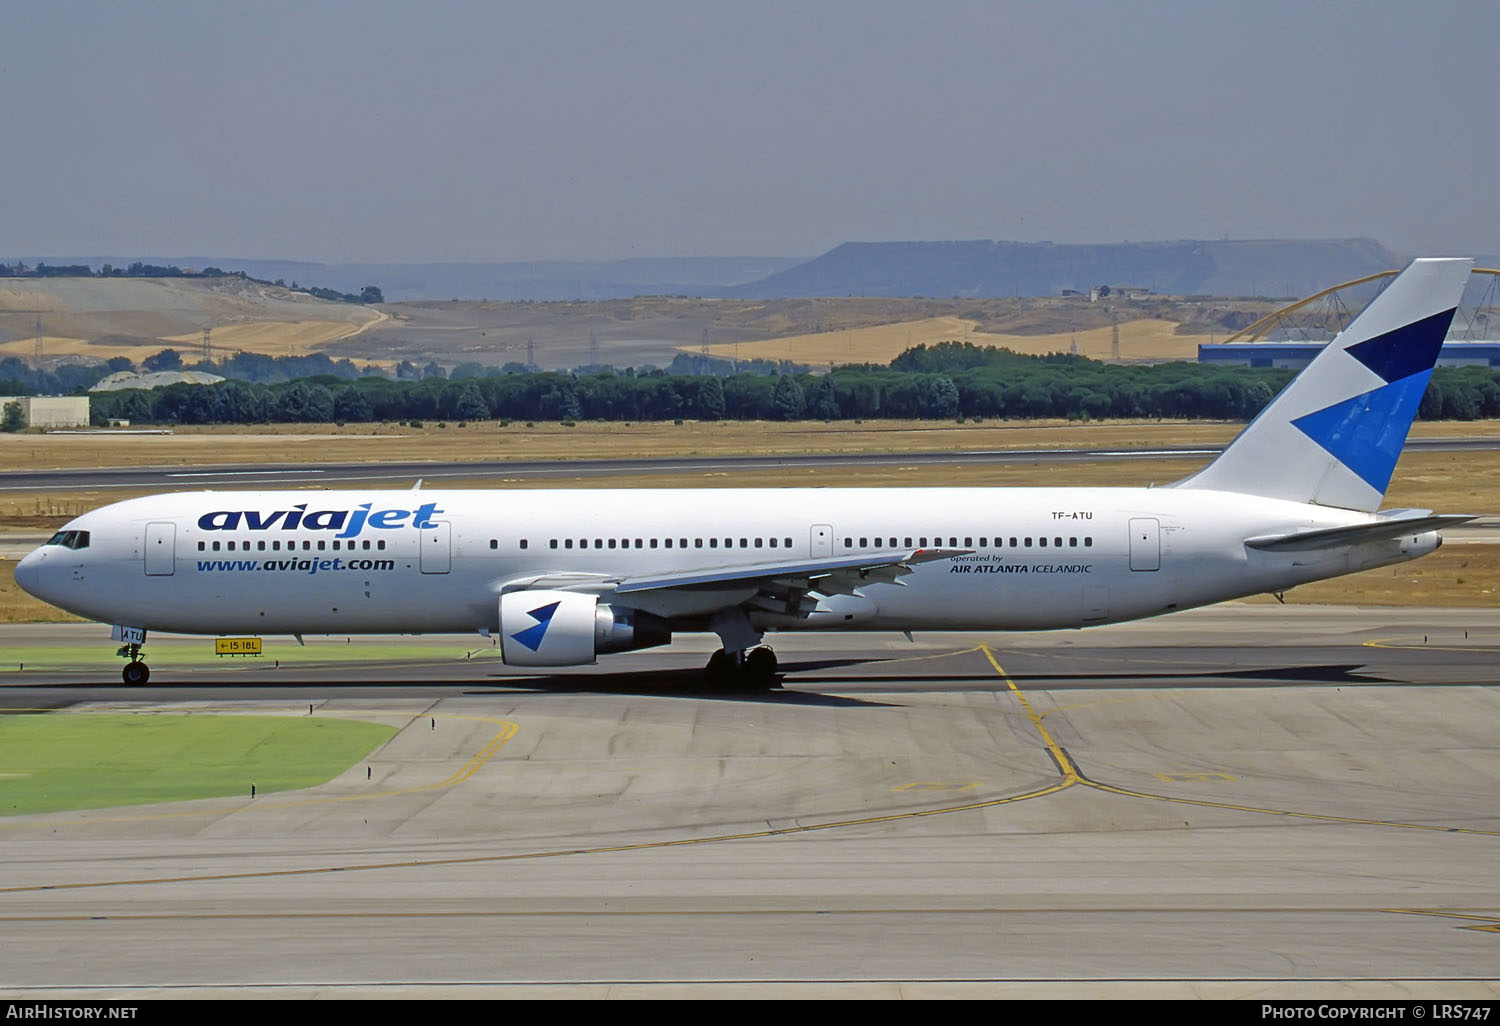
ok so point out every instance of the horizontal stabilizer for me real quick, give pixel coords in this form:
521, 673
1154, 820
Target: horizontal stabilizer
1379, 530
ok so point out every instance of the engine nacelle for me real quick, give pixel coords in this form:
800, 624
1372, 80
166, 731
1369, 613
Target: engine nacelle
569, 628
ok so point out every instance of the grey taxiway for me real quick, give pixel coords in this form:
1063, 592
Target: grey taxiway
1243, 801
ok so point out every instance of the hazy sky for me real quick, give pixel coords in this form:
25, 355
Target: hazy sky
441, 130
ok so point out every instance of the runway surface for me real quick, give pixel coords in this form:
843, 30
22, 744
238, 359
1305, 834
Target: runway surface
1243, 801
270, 475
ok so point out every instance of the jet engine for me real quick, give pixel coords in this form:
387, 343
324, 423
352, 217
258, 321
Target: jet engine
569, 628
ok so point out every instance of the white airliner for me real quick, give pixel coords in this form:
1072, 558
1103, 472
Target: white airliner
565, 576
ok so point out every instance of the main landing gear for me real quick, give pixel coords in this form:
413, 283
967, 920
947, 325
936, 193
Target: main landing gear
753, 669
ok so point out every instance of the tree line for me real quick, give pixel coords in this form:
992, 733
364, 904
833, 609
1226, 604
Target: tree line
1014, 387
947, 381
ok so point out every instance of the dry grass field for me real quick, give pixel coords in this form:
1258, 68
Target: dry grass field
270, 338
136, 317
487, 440
1143, 339
1457, 575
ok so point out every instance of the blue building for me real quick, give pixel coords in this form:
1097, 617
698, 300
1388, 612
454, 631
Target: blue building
1296, 355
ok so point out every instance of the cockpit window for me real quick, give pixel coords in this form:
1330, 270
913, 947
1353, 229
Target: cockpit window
70, 539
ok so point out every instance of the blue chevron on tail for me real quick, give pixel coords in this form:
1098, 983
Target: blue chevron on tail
1334, 434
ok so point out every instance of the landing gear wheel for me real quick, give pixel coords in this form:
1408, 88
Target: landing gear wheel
136, 672
720, 669
760, 668
755, 669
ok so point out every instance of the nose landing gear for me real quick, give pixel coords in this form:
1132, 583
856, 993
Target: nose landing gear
136, 672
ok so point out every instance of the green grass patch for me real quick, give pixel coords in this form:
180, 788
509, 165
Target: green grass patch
167, 653
63, 761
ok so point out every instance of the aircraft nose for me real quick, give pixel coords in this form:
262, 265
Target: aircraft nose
29, 572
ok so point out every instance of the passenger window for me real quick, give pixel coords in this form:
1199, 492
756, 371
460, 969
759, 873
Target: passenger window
1013, 543
567, 543
697, 543
552, 543
848, 543
968, 543
757, 543
653, 543
524, 543
200, 546
1057, 542
276, 546
1042, 542
216, 546
611, 543
260, 546
713, 543
494, 543
788, 543
380, 544
669, 543
231, 546
773, 543
366, 545
638, 543
1028, 543
864, 543
1088, 543
1072, 543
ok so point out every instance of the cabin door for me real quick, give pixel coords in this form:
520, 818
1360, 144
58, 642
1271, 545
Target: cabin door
1145, 543
161, 550
822, 540
436, 554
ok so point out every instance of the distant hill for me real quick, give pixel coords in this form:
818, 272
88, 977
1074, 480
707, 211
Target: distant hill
987, 269
543, 280
938, 270
99, 318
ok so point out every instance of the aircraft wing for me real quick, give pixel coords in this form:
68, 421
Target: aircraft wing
1400, 523
827, 574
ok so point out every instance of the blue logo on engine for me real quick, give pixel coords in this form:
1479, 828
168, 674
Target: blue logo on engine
531, 637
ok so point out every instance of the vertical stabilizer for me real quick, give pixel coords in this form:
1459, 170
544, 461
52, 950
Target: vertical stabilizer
1333, 435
